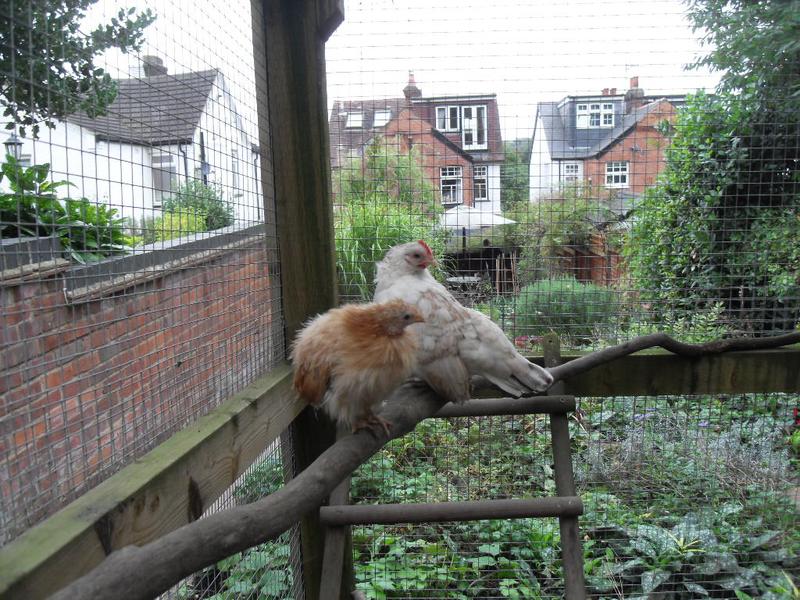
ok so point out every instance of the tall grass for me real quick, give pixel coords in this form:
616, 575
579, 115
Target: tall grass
364, 232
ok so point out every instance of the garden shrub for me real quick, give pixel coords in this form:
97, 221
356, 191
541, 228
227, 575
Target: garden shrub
205, 201
89, 231
578, 311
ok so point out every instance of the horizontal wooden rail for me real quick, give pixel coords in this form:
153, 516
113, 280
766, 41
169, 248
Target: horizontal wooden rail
485, 407
434, 512
165, 489
658, 372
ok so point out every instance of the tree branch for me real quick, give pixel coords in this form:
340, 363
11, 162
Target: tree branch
134, 573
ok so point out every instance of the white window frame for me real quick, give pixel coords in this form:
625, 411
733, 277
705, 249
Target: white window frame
355, 120
448, 117
607, 114
480, 181
571, 172
617, 174
451, 185
594, 115
474, 128
582, 115
381, 117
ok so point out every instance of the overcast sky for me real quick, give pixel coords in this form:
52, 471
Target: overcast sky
524, 51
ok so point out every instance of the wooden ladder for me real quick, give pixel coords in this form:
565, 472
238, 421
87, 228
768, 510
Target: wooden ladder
566, 505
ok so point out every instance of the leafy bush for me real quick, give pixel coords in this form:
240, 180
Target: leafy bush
564, 220
88, 231
204, 201
721, 223
578, 311
175, 224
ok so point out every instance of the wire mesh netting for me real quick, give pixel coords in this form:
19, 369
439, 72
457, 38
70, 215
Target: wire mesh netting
139, 276
271, 570
690, 496
574, 173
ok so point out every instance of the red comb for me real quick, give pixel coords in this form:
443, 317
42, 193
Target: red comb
424, 245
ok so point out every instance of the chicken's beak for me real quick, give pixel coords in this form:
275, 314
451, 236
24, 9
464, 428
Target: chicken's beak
417, 318
427, 263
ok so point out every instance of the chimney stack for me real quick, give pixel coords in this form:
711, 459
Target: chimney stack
605, 91
153, 65
411, 90
634, 97
613, 92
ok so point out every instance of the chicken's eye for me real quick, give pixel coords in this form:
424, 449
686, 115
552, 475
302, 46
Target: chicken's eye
416, 254
406, 317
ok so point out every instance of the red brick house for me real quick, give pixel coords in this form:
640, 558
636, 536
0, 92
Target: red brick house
610, 141
458, 137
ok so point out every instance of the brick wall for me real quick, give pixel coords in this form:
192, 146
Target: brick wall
643, 147
88, 386
413, 132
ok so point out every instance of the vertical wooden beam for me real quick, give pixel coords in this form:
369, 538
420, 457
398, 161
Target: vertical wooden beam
294, 40
571, 547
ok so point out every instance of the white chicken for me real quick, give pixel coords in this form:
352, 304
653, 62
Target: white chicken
455, 342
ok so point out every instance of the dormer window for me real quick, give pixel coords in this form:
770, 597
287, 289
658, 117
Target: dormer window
381, 117
594, 115
354, 119
448, 118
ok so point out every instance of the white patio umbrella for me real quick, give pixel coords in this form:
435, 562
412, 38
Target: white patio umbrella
470, 217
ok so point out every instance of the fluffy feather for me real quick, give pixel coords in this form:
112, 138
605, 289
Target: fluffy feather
350, 358
455, 342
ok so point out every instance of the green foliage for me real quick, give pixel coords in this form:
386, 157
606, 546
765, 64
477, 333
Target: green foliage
667, 514
693, 327
88, 231
557, 223
578, 311
514, 185
205, 201
718, 224
386, 174
171, 225
47, 65
387, 202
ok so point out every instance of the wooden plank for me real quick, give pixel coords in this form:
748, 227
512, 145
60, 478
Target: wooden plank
662, 373
332, 584
165, 489
294, 35
571, 547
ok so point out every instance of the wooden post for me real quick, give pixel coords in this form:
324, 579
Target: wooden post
571, 547
295, 123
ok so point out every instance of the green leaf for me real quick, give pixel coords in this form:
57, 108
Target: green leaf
493, 549
651, 580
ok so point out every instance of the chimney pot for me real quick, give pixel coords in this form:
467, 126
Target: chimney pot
153, 65
411, 90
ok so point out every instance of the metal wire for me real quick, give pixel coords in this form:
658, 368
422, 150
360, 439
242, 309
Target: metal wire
120, 329
529, 144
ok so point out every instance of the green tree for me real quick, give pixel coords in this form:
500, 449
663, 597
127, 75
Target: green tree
382, 199
514, 185
724, 222
47, 65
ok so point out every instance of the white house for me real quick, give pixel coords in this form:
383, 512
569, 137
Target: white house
162, 130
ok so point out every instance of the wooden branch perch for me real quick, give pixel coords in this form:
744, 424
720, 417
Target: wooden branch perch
134, 573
